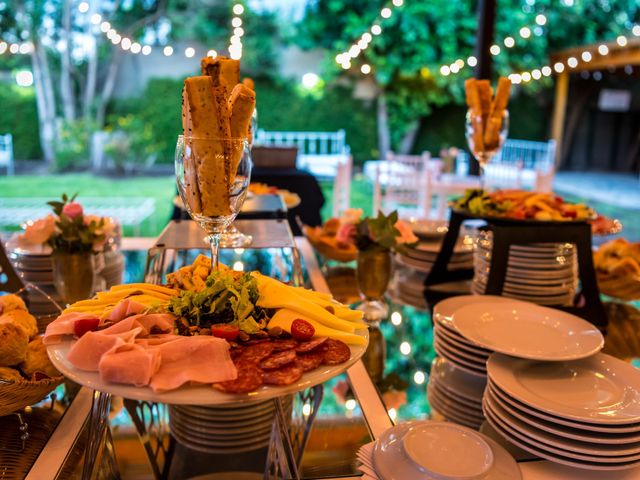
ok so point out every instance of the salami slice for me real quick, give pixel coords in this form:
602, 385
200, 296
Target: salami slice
335, 351
278, 360
283, 376
258, 352
284, 344
310, 361
305, 347
249, 378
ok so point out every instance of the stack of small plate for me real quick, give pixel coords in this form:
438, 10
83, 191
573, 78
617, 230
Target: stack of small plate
456, 394
584, 413
232, 428
542, 273
427, 450
421, 256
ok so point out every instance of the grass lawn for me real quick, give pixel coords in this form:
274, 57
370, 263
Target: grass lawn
162, 190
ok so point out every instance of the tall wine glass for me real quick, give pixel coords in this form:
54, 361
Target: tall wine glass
485, 137
213, 176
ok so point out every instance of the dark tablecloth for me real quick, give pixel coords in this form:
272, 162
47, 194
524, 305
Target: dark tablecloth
300, 182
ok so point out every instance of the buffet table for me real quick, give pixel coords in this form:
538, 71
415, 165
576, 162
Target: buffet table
350, 410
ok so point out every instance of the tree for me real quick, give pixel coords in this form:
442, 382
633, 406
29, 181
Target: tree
421, 36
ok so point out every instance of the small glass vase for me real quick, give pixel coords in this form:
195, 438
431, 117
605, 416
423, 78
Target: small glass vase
373, 273
73, 275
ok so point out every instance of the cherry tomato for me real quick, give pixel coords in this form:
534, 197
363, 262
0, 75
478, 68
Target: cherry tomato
84, 325
302, 330
225, 330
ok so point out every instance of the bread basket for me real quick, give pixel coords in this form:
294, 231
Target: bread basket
15, 396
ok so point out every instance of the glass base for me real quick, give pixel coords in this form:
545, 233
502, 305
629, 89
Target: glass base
234, 238
374, 310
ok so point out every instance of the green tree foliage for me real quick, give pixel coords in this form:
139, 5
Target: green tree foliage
18, 117
421, 36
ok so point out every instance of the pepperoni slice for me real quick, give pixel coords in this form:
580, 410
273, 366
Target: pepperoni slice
309, 361
336, 351
249, 378
278, 360
283, 376
284, 344
302, 330
258, 352
306, 347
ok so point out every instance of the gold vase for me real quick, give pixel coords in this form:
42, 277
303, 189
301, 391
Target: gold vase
73, 275
373, 272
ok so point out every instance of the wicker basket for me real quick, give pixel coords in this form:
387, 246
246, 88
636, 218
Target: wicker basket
17, 395
327, 246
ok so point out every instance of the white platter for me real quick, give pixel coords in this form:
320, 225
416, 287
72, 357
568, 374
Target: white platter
599, 389
528, 331
625, 429
197, 395
559, 458
558, 430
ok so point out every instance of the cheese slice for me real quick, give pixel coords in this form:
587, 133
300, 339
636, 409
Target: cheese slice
284, 317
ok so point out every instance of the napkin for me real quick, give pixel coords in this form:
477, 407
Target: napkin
365, 457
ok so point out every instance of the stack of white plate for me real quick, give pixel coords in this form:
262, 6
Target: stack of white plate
583, 413
422, 256
455, 393
427, 450
542, 273
232, 428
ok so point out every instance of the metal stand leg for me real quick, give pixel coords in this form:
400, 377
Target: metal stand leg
100, 441
150, 420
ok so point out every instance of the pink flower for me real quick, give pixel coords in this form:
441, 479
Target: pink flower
72, 210
346, 234
39, 231
406, 233
394, 399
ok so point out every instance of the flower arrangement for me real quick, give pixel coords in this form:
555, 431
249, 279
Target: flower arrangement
382, 233
68, 229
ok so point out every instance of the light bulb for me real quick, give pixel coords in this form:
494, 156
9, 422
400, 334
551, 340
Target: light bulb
572, 62
419, 377
586, 56
125, 44
189, 52
603, 49
236, 22
546, 71
509, 42
536, 74
385, 12
213, 53
621, 40
495, 50
83, 7
376, 29
454, 68
526, 76
168, 51
96, 18
238, 9
472, 61
525, 32
136, 47
558, 67
146, 50
365, 68
541, 19
405, 348
444, 70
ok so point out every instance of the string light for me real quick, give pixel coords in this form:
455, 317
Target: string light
586, 56
621, 40
419, 377
525, 32
541, 19
136, 48
83, 7
603, 49
558, 67
636, 30
146, 50
509, 42
214, 54
376, 29
495, 50
396, 318
572, 62
235, 42
365, 68
189, 52
168, 51
405, 348
96, 18
472, 61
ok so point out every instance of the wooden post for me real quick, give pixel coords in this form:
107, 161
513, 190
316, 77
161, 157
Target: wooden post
484, 37
559, 112
484, 40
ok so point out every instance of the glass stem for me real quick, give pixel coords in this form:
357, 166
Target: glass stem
214, 240
481, 177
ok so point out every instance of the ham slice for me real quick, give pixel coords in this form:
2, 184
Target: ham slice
199, 359
129, 363
125, 308
156, 322
64, 325
85, 354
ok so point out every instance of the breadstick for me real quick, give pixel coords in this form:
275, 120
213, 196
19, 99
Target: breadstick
241, 104
501, 99
471, 95
190, 170
249, 83
210, 121
498, 107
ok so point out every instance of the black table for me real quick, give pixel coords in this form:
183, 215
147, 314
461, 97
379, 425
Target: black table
300, 182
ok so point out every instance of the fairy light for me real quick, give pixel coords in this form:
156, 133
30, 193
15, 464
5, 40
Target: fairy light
495, 50
558, 67
125, 44
214, 54
445, 70
603, 49
105, 26
350, 404
116, 40
525, 32
96, 18
636, 30
621, 40
136, 48
14, 48
365, 68
586, 56
419, 377
396, 318
526, 77
3, 47
168, 51
385, 12
83, 7
238, 266
541, 19
306, 409
454, 68
509, 42
238, 9
189, 52
546, 70
146, 50
376, 30
572, 62
536, 74
405, 348
472, 61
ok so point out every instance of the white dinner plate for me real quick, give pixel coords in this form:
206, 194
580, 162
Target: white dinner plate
463, 411
559, 430
429, 229
196, 395
410, 450
554, 457
457, 381
443, 311
614, 429
599, 389
571, 445
471, 367
457, 345
528, 331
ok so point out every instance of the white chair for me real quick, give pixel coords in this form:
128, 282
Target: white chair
342, 187
403, 183
6, 153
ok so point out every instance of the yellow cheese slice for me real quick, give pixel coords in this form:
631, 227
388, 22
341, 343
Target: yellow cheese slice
284, 317
148, 286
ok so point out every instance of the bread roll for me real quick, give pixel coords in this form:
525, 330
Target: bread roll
13, 344
11, 302
37, 360
10, 374
22, 319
